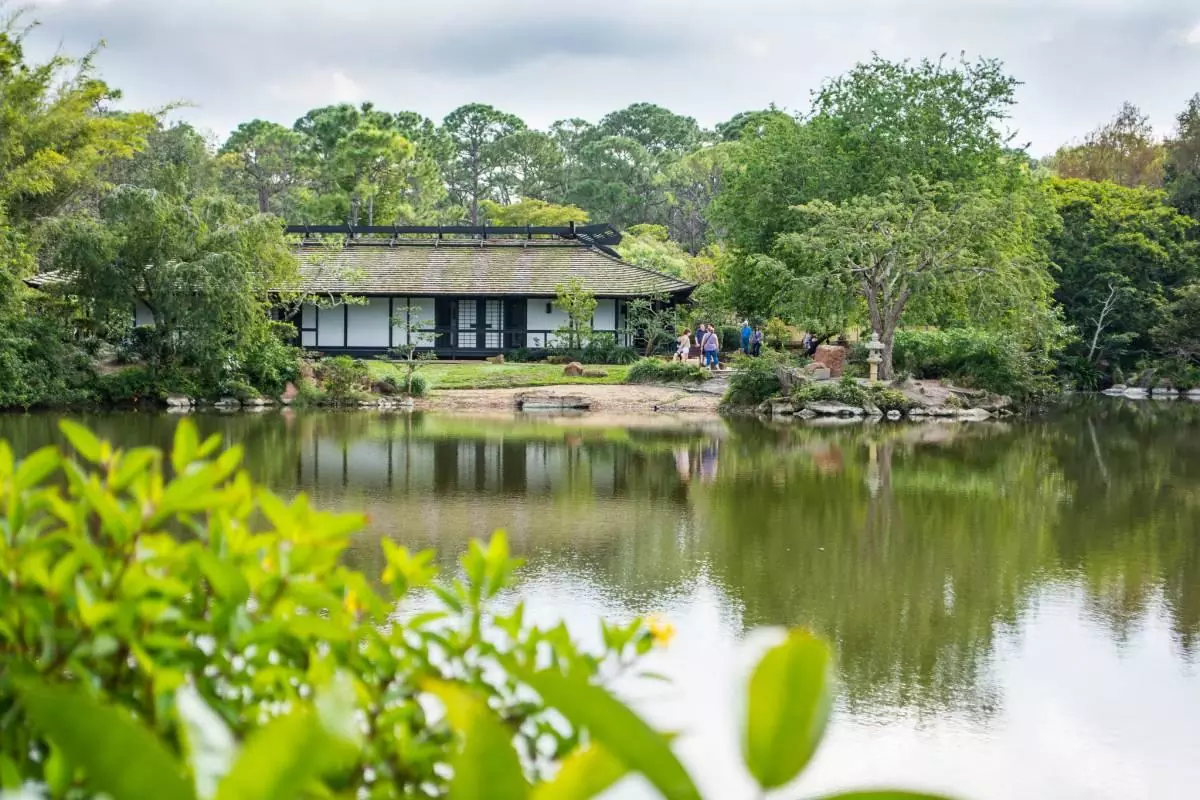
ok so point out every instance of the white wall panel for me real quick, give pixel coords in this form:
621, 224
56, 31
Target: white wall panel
538, 319
331, 324
368, 324
420, 311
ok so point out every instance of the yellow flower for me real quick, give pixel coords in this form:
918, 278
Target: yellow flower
389, 574
352, 603
269, 564
660, 629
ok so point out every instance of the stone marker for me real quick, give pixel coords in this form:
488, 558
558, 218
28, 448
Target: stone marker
833, 357
573, 370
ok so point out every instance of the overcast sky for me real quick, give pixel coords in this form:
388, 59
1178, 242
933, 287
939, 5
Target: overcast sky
235, 60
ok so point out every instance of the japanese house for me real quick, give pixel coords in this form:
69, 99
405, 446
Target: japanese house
463, 292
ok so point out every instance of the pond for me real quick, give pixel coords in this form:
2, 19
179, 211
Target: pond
1016, 606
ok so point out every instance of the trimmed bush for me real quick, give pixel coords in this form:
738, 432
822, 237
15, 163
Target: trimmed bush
844, 391
974, 358
653, 370
753, 381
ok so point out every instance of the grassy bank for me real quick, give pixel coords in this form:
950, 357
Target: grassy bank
482, 375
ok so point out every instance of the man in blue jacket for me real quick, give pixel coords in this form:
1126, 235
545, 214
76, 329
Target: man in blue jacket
746, 333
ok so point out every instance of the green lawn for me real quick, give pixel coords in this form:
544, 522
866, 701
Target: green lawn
482, 375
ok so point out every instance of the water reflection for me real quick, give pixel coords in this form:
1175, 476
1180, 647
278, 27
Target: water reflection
951, 564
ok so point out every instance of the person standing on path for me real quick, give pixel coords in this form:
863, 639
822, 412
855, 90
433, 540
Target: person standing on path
756, 340
683, 347
709, 348
747, 332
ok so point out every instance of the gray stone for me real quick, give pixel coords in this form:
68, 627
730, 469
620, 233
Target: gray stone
1193, 394
942, 411
974, 414
918, 411
1135, 393
817, 372
1164, 391
229, 403
805, 413
179, 401
834, 410
1116, 390
894, 415
258, 402
872, 410
550, 402
780, 408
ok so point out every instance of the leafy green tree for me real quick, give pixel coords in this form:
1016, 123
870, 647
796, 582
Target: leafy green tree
1124, 151
176, 159
204, 270
913, 239
748, 124
655, 319
1182, 168
528, 166
579, 304
472, 173
532, 212
59, 143
266, 165
617, 183
570, 137
662, 133
1178, 334
1120, 253
691, 185
887, 136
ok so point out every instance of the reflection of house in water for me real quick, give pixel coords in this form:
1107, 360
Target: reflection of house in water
411, 464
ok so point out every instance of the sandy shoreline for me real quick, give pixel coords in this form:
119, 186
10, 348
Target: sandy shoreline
623, 399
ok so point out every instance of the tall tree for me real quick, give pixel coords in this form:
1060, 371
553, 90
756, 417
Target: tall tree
265, 165
1120, 253
692, 184
176, 159
924, 124
528, 166
914, 239
203, 268
571, 136
1124, 151
664, 134
59, 140
1182, 169
617, 184
475, 131
748, 124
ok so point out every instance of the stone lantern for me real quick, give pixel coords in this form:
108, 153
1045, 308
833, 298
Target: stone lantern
874, 359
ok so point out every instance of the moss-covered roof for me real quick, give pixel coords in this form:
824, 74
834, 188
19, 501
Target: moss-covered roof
481, 267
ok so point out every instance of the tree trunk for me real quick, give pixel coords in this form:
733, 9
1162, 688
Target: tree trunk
264, 200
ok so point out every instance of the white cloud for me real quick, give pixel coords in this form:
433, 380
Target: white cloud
1193, 36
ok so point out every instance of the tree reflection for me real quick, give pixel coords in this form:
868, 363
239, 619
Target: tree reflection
913, 547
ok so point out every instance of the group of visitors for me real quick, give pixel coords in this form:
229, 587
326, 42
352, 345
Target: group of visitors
707, 341
752, 339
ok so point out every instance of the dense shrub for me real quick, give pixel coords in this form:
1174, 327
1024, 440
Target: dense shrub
979, 359
599, 351
843, 391
129, 385
731, 338
344, 378
753, 381
269, 365
39, 363
419, 385
654, 370
888, 399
